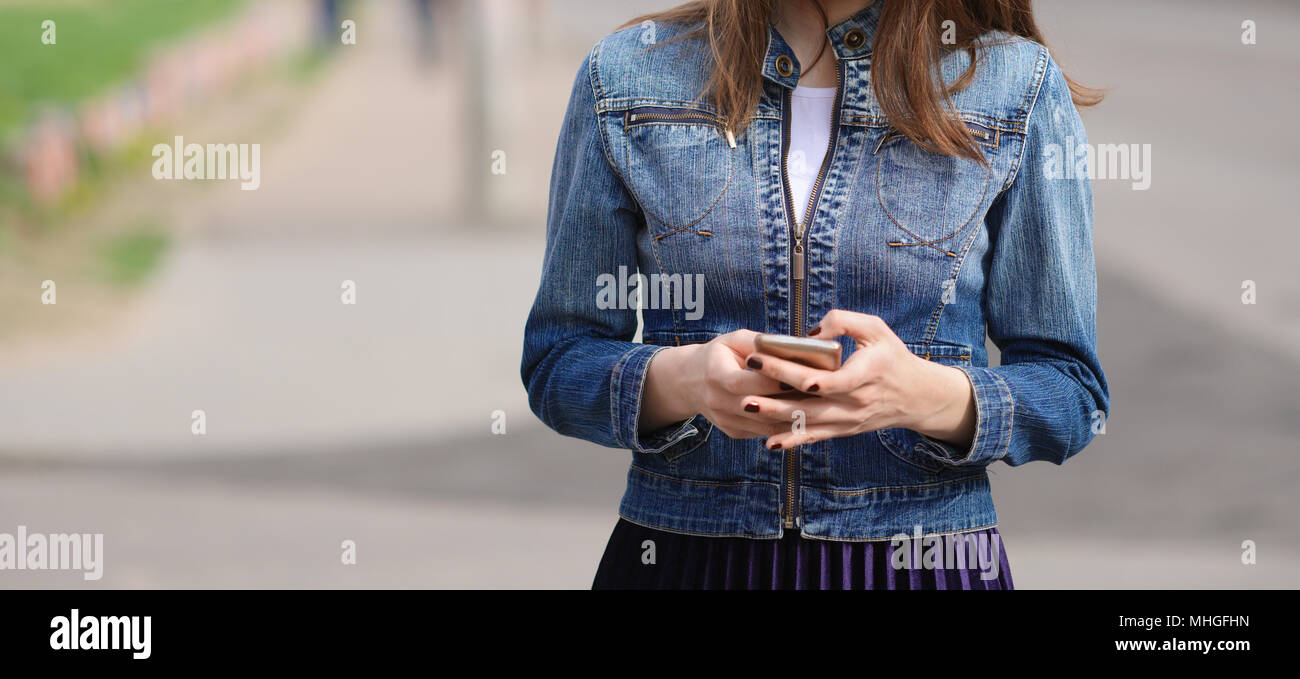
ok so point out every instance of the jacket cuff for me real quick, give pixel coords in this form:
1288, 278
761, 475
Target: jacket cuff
627, 385
675, 440
994, 407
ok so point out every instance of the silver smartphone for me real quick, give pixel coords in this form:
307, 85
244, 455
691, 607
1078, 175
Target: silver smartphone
814, 353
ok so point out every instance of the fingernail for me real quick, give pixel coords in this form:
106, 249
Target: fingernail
755, 364
813, 388
815, 329
786, 387
751, 407
774, 446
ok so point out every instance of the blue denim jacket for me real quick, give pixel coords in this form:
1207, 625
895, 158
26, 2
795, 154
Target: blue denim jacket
648, 178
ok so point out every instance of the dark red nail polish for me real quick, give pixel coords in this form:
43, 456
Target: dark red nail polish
755, 364
813, 388
815, 329
786, 387
751, 407
775, 446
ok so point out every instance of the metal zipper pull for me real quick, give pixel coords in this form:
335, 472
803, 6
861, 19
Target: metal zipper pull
731, 138
796, 262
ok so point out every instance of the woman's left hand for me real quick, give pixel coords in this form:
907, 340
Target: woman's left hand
881, 385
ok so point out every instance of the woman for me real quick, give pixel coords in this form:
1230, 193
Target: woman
871, 173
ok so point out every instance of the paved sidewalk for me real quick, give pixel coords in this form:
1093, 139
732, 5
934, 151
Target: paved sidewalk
175, 533
255, 335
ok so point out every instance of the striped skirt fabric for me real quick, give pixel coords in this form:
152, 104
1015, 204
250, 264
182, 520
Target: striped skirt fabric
645, 558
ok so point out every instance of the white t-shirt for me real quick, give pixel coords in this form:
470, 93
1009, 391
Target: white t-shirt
810, 132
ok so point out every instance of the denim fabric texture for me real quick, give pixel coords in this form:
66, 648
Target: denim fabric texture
647, 177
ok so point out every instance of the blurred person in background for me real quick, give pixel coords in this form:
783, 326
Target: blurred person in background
330, 21
794, 165
425, 41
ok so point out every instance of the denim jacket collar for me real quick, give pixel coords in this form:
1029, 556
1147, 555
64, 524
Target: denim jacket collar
850, 39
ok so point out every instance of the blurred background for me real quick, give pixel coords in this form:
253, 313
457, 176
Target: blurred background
414, 163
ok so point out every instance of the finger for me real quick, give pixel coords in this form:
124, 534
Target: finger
809, 434
864, 328
764, 414
797, 375
740, 341
785, 412
738, 426
856, 372
815, 411
744, 382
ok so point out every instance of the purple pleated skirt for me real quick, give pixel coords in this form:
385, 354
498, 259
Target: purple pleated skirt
645, 558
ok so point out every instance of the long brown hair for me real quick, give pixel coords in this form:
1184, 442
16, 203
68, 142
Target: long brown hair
905, 61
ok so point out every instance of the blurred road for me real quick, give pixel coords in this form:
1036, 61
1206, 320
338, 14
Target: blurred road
372, 422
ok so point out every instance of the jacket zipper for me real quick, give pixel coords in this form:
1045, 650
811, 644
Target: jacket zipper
635, 118
799, 227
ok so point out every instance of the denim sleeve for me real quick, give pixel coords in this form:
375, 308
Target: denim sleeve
1044, 400
583, 373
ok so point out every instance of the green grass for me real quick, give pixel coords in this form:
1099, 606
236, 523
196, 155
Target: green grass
101, 43
129, 258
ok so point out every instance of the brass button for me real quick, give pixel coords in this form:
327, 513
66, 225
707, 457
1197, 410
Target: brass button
855, 39
784, 66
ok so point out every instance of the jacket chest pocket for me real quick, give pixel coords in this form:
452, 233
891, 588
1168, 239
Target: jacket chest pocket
931, 198
678, 164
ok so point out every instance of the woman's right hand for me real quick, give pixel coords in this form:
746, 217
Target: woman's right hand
708, 379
